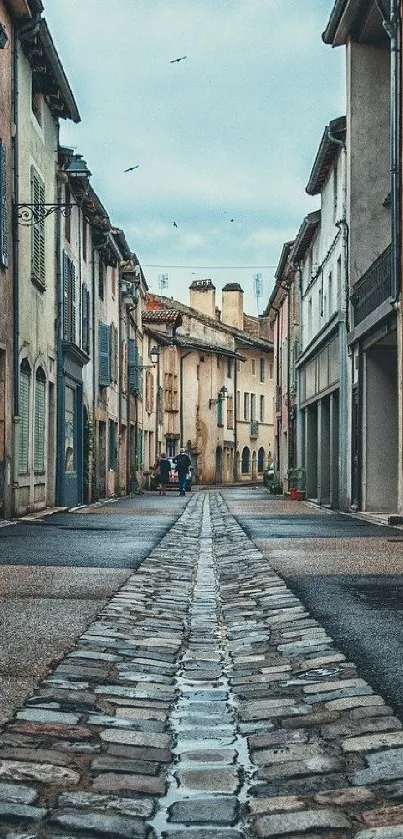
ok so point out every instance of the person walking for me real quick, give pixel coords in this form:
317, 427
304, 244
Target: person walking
164, 470
182, 462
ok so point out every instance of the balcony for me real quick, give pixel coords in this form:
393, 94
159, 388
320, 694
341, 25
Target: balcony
254, 429
374, 287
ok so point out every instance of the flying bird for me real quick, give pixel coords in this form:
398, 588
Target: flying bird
231, 219
131, 168
175, 224
177, 60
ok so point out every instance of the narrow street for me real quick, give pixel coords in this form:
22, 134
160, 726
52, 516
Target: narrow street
207, 698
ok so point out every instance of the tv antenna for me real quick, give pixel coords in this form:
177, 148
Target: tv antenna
257, 289
162, 282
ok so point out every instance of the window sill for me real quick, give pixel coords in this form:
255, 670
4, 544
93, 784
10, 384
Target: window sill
38, 283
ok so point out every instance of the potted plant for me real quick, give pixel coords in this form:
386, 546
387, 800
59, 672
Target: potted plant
296, 483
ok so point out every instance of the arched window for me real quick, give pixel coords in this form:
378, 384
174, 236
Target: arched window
39, 421
25, 385
260, 459
245, 464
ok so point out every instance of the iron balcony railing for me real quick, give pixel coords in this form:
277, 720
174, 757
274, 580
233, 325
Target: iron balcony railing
374, 287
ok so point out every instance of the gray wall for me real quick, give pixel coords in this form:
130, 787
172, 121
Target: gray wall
381, 449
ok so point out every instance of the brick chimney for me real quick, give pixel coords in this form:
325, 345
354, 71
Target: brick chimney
232, 305
202, 297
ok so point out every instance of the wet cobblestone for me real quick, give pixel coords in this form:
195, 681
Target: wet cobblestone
203, 702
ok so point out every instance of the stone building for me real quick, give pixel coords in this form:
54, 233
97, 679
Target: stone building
219, 368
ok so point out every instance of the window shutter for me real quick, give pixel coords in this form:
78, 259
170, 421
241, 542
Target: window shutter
133, 367
39, 426
104, 355
220, 420
24, 422
3, 208
38, 228
73, 333
140, 376
85, 326
65, 296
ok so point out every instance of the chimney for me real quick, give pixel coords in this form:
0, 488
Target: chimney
202, 297
232, 305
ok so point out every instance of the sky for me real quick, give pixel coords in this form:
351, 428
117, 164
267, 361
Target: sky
224, 139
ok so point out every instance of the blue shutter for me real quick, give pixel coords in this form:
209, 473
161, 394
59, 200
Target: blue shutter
85, 319
104, 355
3, 208
133, 367
65, 296
140, 376
73, 335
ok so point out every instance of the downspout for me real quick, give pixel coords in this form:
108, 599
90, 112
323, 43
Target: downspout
59, 364
16, 280
236, 476
392, 27
94, 486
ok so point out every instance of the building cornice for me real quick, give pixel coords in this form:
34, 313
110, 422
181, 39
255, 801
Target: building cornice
333, 138
48, 74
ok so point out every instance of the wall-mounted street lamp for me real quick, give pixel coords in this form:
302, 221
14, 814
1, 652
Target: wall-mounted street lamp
77, 173
3, 37
222, 394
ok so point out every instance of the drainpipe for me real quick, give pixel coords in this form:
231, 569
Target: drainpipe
94, 325
16, 279
392, 27
236, 476
59, 363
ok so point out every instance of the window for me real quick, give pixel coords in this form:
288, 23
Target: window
3, 208
230, 412
246, 406
39, 421
245, 461
149, 392
69, 299
229, 368
101, 279
134, 381
67, 213
171, 401
25, 382
38, 230
335, 185
253, 406
253, 366
220, 412
84, 236
69, 421
260, 460
112, 445
261, 409
261, 370
104, 355
37, 104
238, 404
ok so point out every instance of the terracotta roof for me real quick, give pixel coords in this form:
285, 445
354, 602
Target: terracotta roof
162, 316
304, 236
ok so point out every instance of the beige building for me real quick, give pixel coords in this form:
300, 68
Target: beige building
215, 384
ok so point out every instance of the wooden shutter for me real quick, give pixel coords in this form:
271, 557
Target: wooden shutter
104, 355
66, 318
24, 422
39, 424
133, 366
38, 229
73, 333
140, 375
3, 208
85, 325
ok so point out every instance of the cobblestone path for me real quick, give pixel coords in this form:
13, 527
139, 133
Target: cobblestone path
204, 703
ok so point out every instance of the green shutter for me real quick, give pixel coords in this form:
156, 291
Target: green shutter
85, 319
38, 229
39, 426
112, 445
104, 355
140, 376
3, 208
73, 331
24, 422
220, 412
66, 318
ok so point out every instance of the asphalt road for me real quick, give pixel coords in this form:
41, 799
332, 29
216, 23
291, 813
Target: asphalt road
347, 572
58, 572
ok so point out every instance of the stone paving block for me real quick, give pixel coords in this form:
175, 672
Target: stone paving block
105, 825
136, 738
110, 782
382, 766
346, 796
215, 779
216, 833
68, 732
373, 741
280, 825
44, 773
108, 763
17, 794
42, 715
217, 809
21, 812
275, 804
142, 807
319, 764
383, 816
147, 753
395, 832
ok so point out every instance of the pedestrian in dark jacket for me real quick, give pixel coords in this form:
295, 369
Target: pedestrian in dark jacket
182, 462
164, 470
